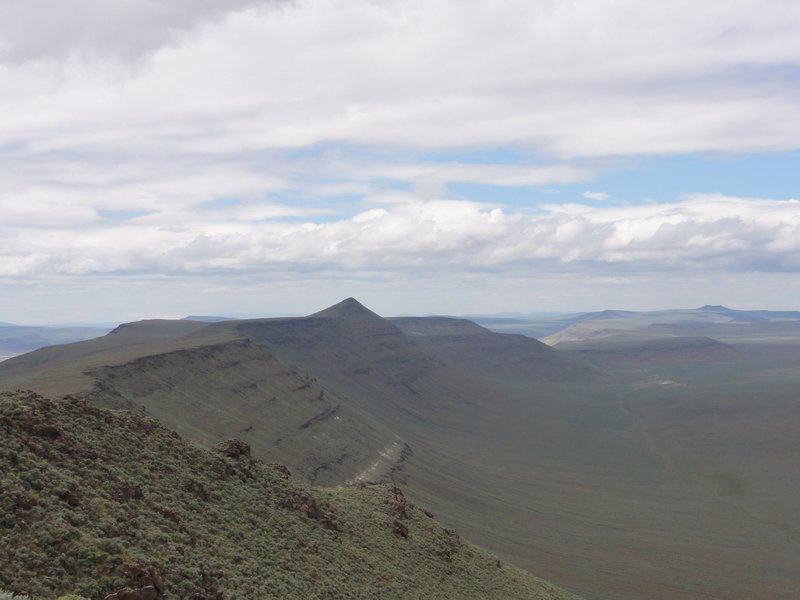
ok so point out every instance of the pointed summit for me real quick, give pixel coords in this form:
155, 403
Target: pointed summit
349, 309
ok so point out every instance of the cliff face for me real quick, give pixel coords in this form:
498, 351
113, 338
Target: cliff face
99, 503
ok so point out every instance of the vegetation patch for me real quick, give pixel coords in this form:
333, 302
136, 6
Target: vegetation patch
108, 505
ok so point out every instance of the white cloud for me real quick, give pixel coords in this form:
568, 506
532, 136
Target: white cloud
735, 234
35, 30
596, 195
589, 78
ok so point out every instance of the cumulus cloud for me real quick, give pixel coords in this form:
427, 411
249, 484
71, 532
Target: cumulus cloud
696, 233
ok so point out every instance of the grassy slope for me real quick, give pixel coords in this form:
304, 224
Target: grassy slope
87, 494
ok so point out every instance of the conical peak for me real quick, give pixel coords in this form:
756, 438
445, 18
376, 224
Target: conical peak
350, 309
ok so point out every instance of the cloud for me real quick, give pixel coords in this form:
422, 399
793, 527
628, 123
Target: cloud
35, 30
591, 78
696, 233
596, 195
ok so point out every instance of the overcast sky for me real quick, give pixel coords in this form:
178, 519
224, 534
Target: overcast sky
249, 157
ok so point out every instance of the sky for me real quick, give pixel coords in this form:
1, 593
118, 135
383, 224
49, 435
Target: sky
264, 157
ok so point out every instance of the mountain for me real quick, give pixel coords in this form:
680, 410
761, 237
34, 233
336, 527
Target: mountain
668, 480
97, 503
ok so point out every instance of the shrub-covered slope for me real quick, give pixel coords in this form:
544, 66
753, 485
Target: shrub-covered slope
92, 501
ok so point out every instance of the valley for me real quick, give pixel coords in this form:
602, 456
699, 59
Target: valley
632, 463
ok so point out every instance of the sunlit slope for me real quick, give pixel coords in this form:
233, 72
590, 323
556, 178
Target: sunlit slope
95, 501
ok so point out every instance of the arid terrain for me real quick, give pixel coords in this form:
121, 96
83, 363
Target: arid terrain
652, 460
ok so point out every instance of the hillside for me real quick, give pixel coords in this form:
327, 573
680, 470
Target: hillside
94, 501
671, 482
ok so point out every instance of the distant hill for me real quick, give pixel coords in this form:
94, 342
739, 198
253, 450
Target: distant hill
15, 339
95, 503
728, 324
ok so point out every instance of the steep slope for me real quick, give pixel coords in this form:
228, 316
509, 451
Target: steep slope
93, 502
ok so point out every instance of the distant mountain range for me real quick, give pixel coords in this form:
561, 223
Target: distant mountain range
718, 321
